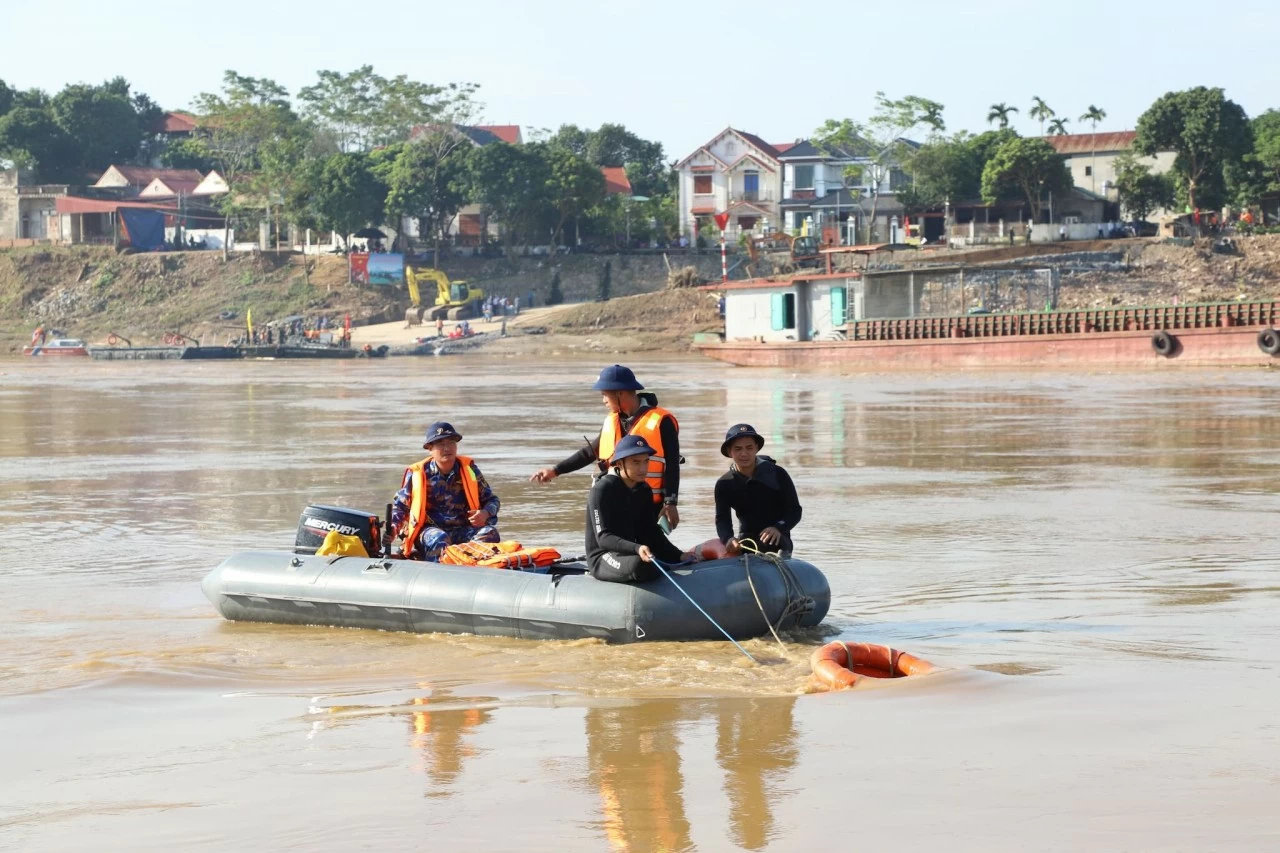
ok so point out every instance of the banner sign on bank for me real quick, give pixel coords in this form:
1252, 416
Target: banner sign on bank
380, 269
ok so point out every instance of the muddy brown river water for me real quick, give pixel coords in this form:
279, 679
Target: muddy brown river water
1094, 560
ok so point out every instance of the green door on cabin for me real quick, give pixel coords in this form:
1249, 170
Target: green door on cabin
782, 311
777, 312
839, 306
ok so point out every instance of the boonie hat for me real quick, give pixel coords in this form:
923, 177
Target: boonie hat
615, 377
738, 431
631, 445
439, 431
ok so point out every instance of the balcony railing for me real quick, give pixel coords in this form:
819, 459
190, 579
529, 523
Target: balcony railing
753, 195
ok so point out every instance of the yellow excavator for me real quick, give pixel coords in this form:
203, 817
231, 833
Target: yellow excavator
455, 300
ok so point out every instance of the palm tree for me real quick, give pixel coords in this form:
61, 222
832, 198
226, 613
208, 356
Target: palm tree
1041, 112
1000, 112
1093, 115
1058, 127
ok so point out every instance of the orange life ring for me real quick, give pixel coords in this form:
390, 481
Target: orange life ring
838, 665
112, 340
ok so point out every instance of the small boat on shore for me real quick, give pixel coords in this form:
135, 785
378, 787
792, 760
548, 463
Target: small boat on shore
558, 602
58, 347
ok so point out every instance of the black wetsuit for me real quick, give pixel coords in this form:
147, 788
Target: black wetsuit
670, 449
766, 499
619, 520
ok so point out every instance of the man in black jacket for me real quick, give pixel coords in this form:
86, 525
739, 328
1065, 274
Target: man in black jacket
759, 491
623, 536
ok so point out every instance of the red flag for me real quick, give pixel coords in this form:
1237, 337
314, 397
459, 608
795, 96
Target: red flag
722, 220
346, 323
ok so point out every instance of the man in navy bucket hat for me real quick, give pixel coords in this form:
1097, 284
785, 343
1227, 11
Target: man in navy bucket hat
444, 499
629, 413
623, 537
758, 491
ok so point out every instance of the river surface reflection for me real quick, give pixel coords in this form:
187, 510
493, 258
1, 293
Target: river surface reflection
1094, 560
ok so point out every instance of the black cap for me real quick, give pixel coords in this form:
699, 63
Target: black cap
439, 431
736, 432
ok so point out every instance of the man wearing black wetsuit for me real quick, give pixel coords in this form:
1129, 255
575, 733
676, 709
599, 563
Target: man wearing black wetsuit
623, 537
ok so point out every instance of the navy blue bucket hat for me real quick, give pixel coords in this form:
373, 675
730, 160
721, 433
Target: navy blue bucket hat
631, 445
615, 377
738, 431
439, 431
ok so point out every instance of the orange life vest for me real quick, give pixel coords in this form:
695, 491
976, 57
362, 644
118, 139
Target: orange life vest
420, 498
498, 555
647, 427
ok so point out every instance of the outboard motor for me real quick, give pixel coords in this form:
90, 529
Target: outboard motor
318, 520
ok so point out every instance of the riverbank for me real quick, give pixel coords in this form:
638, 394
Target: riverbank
90, 292
665, 321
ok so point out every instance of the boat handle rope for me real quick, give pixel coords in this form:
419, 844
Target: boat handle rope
798, 603
750, 547
656, 562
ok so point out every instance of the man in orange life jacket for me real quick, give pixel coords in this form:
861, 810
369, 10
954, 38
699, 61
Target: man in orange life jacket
443, 500
629, 415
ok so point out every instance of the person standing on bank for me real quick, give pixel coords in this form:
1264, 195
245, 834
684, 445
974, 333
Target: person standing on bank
623, 536
629, 415
759, 491
443, 500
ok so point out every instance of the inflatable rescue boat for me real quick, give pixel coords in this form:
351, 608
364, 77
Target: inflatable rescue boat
561, 601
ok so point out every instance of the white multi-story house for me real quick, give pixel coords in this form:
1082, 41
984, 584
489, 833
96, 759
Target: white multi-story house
736, 173
817, 192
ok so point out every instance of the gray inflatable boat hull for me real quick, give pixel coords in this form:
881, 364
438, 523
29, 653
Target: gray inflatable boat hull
409, 595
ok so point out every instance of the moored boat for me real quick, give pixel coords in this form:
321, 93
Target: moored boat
1208, 335
58, 347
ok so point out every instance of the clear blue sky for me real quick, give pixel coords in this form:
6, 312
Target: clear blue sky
678, 72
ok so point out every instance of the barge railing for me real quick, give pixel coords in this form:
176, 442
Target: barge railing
1150, 318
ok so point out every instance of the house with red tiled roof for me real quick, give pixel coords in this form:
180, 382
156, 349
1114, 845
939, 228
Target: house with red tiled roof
173, 124
508, 133
168, 188
615, 180
132, 180
735, 172
1091, 157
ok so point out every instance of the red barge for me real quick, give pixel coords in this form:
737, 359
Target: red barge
1207, 335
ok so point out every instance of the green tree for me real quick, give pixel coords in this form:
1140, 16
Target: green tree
574, 185
1058, 127
189, 153
1093, 115
880, 144
31, 138
1206, 130
555, 295
606, 281
941, 170
1261, 171
99, 122
1000, 113
1141, 191
510, 182
6, 98
249, 124
1029, 167
428, 179
347, 195
347, 104
1040, 111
